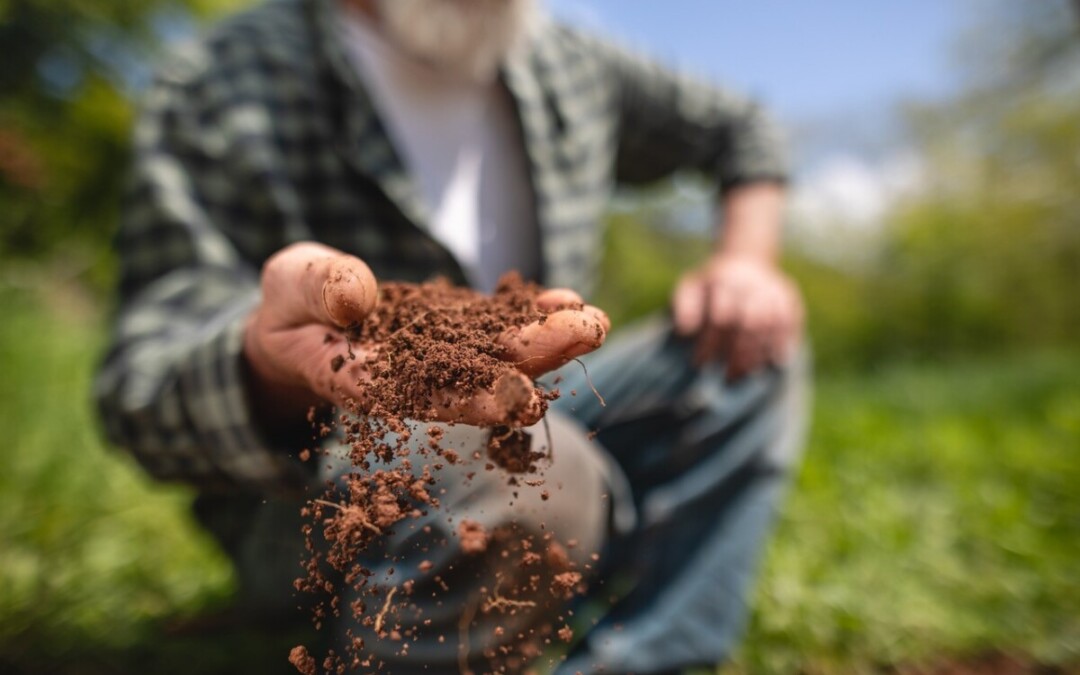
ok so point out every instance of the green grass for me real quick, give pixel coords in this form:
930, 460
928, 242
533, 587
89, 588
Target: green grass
937, 513
93, 553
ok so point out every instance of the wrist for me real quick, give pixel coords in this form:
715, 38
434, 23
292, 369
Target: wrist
727, 255
750, 223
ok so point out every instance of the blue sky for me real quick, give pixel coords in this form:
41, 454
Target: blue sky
832, 70
808, 60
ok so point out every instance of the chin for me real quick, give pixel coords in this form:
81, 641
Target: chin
470, 38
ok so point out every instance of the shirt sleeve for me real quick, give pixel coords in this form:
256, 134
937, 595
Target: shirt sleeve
670, 121
171, 389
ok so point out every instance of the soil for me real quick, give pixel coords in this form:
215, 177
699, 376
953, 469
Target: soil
304, 662
426, 348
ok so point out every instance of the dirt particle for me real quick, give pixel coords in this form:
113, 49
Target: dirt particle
564, 584
474, 538
566, 634
301, 660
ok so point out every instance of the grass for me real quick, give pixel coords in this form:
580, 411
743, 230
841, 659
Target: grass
937, 513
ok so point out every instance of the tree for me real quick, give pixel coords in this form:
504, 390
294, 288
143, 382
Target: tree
989, 255
69, 71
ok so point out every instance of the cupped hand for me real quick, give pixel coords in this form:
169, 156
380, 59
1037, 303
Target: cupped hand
311, 293
740, 310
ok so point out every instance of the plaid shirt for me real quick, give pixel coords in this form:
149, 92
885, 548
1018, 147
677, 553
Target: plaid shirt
262, 134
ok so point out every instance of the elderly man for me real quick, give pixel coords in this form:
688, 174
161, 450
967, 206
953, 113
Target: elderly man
462, 138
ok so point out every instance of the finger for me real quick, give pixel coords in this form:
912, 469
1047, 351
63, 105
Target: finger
707, 346
309, 282
554, 299
688, 305
743, 356
724, 307
739, 354
600, 315
745, 351
538, 347
557, 299
714, 342
513, 400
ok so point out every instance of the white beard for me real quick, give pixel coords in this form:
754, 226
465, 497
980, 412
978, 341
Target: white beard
470, 38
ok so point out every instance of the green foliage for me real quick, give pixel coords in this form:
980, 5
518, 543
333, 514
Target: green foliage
65, 112
936, 514
987, 255
93, 554
640, 267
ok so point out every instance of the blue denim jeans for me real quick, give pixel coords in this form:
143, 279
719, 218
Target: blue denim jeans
706, 461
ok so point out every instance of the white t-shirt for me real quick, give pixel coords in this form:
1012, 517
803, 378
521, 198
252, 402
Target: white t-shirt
461, 143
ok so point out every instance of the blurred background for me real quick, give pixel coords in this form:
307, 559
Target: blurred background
935, 230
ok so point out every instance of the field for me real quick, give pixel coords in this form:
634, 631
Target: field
936, 516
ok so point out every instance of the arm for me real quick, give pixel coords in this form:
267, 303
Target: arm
738, 307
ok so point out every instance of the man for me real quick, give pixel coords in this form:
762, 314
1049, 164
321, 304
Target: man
462, 138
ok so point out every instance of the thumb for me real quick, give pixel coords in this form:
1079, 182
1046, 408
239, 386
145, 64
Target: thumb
312, 283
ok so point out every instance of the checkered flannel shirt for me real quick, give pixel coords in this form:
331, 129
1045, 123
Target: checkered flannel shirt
262, 134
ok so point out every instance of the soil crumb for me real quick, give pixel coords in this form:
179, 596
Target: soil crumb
474, 538
304, 662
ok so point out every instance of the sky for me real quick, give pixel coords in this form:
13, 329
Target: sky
805, 59
833, 71
809, 61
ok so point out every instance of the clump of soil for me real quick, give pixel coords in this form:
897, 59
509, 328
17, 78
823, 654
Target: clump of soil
474, 538
435, 341
426, 349
304, 662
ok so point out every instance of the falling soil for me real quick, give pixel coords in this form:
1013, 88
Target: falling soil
425, 351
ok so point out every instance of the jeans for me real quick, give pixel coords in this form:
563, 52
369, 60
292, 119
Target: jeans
706, 461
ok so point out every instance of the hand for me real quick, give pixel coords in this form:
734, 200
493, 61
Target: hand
311, 291
739, 309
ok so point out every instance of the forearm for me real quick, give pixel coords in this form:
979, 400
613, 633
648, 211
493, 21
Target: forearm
751, 220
